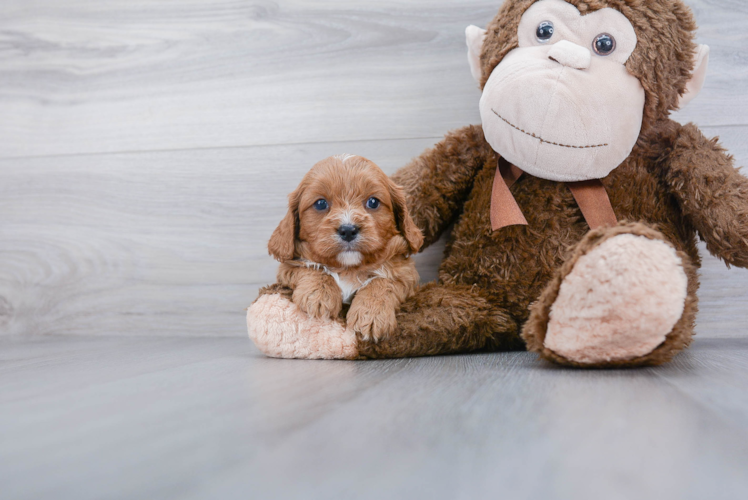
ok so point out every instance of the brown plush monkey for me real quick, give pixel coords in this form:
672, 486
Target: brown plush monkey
576, 205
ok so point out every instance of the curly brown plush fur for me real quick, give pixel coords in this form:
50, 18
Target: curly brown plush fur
509, 269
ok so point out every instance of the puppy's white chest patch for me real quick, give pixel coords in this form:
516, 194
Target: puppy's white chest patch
347, 288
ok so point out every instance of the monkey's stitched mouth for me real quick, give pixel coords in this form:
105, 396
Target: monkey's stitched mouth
543, 140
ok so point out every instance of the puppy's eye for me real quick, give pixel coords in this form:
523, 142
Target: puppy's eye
320, 204
544, 31
372, 203
604, 44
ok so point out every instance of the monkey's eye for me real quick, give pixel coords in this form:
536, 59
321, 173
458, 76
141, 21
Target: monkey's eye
372, 203
320, 204
544, 31
604, 44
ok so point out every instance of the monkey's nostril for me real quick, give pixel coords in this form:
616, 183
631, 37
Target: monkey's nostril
570, 55
348, 232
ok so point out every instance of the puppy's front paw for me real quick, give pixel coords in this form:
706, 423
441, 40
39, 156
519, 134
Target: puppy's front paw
321, 302
373, 322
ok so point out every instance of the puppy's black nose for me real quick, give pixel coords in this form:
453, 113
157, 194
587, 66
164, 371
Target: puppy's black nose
348, 232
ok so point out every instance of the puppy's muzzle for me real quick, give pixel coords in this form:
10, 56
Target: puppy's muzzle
348, 232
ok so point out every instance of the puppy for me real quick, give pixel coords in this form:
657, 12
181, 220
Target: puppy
347, 239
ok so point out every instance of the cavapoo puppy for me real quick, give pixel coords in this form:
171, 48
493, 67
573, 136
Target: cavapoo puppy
347, 239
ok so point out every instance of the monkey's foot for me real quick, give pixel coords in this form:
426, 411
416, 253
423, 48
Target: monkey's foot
619, 301
281, 330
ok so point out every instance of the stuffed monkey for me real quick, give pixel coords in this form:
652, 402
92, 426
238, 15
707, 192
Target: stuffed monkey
576, 205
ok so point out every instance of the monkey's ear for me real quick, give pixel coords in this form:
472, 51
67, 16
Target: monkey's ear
403, 220
475, 37
282, 242
698, 75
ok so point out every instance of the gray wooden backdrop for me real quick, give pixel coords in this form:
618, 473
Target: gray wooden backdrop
146, 147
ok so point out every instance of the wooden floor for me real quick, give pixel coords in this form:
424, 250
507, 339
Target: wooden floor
125, 417
146, 149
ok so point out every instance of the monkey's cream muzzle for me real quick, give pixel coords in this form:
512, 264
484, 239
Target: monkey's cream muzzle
560, 114
557, 110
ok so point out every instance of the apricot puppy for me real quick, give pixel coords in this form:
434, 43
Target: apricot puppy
347, 239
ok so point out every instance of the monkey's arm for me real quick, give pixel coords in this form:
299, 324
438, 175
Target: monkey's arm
437, 182
712, 194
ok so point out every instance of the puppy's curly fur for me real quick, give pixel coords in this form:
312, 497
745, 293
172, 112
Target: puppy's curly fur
370, 267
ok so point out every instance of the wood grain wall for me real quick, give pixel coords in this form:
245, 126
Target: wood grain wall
146, 147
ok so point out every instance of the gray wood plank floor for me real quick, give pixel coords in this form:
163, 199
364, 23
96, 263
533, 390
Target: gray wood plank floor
168, 418
146, 149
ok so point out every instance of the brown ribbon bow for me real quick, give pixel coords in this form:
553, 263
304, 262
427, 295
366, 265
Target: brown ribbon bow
590, 195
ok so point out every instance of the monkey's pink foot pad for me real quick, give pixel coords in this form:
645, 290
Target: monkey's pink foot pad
281, 330
619, 301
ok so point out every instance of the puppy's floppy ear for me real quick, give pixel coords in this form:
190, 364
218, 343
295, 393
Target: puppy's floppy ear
282, 242
404, 222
